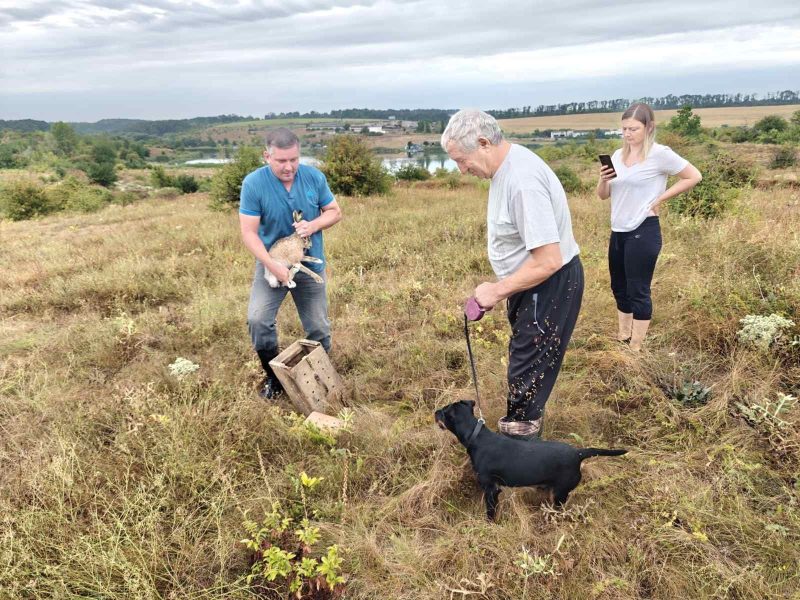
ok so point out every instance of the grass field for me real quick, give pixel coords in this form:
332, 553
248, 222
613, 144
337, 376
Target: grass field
710, 117
120, 481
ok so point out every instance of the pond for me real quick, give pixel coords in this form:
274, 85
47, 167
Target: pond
427, 161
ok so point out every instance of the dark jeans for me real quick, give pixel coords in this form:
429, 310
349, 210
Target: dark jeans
309, 298
542, 320
632, 257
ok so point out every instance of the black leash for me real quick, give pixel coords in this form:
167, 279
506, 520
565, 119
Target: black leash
481, 420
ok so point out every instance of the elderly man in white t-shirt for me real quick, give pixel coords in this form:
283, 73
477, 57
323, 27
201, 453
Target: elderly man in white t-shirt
534, 255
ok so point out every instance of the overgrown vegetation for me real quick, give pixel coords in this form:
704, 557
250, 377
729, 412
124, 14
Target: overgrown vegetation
226, 185
724, 177
569, 179
412, 172
138, 461
352, 169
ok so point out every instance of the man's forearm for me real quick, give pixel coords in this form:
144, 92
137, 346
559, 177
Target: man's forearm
327, 218
256, 247
530, 274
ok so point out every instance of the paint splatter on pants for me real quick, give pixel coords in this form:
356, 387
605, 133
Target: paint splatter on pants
542, 320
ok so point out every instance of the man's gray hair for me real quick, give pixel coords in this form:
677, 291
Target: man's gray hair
282, 138
469, 124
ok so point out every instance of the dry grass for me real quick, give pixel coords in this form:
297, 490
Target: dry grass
118, 481
710, 117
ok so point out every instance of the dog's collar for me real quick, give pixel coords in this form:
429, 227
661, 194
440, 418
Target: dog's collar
474, 433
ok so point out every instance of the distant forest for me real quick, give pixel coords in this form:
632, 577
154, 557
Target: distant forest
171, 126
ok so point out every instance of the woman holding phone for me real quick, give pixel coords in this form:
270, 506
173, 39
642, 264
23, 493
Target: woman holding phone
636, 181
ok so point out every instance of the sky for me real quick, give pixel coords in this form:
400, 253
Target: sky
76, 60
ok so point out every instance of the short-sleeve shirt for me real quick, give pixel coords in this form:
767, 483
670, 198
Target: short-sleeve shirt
264, 196
636, 188
527, 209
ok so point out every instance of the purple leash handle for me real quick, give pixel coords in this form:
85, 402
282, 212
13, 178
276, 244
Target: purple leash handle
473, 310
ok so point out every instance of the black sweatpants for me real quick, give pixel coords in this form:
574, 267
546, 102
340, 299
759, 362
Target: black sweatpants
542, 320
632, 257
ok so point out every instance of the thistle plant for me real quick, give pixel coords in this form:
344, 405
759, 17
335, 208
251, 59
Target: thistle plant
762, 331
182, 367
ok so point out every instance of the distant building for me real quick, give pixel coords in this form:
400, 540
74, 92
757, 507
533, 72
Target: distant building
613, 133
568, 134
209, 161
324, 126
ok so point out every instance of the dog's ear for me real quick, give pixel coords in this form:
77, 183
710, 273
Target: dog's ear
470, 403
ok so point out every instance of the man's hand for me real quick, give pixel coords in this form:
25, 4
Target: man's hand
487, 296
304, 228
279, 270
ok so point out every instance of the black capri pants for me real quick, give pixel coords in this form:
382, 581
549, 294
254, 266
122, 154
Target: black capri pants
542, 319
632, 257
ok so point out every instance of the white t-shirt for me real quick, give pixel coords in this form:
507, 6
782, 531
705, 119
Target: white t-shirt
527, 209
636, 188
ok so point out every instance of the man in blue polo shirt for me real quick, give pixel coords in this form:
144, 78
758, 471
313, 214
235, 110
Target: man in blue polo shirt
268, 198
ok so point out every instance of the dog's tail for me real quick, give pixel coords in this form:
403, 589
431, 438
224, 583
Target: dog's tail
585, 453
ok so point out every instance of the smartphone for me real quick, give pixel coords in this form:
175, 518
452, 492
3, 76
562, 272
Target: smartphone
605, 160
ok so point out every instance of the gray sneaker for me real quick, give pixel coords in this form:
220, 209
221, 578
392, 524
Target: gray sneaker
521, 430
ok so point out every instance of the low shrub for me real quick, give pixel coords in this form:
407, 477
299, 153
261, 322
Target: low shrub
187, 184
784, 157
569, 179
22, 199
73, 194
159, 177
412, 172
167, 193
352, 169
226, 185
723, 176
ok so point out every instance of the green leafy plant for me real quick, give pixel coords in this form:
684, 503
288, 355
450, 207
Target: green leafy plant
768, 418
534, 565
283, 559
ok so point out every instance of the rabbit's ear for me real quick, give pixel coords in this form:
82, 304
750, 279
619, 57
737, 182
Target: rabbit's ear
297, 215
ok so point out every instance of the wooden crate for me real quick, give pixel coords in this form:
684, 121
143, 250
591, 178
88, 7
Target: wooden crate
308, 377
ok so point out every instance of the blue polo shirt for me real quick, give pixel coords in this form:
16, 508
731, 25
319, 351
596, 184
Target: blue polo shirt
264, 196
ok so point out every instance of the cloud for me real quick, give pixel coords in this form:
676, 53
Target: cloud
285, 50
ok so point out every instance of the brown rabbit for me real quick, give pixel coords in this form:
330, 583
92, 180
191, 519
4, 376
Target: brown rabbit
290, 251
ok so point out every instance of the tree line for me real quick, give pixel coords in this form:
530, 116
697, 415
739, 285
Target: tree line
431, 115
667, 102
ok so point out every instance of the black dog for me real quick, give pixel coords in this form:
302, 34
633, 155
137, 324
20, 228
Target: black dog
501, 460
